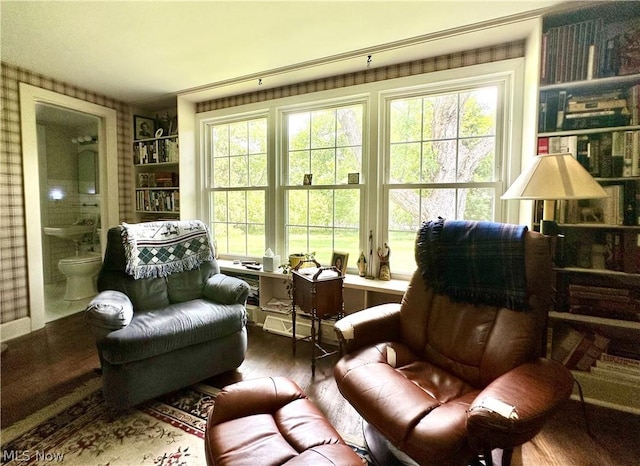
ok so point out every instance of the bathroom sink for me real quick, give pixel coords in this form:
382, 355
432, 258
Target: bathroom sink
71, 232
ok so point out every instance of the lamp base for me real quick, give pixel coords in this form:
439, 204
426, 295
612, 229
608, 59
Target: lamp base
549, 228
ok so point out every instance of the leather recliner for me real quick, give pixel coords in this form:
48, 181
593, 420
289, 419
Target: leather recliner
156, 335
444, 381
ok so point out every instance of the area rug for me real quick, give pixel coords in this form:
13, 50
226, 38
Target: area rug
81, 430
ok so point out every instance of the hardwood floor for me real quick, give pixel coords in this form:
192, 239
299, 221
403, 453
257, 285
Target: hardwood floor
39, 368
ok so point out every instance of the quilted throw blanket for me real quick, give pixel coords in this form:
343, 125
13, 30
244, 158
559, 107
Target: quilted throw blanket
470, 261
158, 249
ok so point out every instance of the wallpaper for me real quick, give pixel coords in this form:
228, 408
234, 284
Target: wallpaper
14, 298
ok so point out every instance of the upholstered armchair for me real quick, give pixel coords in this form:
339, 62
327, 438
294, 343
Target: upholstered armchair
165, 317
455, 371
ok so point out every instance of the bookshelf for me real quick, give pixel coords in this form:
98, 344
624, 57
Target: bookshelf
589, 105
156, 171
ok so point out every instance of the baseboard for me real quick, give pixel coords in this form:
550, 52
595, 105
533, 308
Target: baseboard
15, 328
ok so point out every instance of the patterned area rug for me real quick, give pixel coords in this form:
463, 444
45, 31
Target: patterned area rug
81, 430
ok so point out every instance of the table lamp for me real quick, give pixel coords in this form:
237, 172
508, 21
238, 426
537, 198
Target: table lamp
552, 177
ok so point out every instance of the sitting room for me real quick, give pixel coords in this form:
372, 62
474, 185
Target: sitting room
315, 232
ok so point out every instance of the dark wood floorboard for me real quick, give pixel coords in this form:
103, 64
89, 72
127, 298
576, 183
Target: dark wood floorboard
39, 368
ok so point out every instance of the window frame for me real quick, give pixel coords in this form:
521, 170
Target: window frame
206, 177
285, 185
374, 171
499, 169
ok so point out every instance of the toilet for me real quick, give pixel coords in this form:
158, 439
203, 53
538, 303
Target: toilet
80, 271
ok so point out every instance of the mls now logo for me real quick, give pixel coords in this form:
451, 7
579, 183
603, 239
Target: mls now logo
26, 455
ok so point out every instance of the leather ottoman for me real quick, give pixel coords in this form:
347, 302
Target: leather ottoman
270, 421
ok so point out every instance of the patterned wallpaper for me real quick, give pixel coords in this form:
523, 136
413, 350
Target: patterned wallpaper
14, 296
490, 54
13, 273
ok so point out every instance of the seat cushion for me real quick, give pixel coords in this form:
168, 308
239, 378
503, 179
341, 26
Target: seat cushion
411, 402
155, 332
270, 421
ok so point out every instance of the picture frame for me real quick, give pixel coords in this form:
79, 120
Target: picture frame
339, 260
308, 179
353, 178
143, 127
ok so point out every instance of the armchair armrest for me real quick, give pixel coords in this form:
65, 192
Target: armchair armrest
530, 393
369, 326
225, 289
110, 310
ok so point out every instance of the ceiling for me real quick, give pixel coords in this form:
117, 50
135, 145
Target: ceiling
141, 52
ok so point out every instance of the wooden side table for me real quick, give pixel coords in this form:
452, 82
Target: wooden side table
318, 292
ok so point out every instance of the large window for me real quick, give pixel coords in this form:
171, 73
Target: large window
320, 172
238, 186
322, 211
442, 161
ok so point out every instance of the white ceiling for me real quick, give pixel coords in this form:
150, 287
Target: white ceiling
142, 51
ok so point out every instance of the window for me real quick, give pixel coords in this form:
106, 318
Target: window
416, 148
442, 162
322, 213
238, 186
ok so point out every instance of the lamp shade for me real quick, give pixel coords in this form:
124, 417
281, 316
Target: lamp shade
554, 177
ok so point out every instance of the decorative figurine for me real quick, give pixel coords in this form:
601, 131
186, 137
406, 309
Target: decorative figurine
362, 264
383, 255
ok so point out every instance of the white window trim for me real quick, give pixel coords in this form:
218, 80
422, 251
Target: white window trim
510, 71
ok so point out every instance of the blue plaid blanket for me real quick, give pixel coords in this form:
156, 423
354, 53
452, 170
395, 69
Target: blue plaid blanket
158, 249
470, 261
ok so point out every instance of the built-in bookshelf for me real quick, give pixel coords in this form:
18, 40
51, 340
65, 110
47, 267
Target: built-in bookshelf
156, 167
589, 105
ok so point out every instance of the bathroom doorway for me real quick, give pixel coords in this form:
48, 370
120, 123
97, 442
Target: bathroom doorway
68, 155
40, 203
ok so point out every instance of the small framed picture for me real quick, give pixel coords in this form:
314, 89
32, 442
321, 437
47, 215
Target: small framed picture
353, 178
143, 127
308, 178
339, 261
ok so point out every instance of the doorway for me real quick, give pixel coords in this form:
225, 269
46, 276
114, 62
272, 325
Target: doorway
37, 199
68, 152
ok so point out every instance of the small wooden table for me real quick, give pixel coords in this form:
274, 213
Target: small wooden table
318, 292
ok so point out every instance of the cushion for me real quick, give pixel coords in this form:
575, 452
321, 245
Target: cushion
156, 332
110, 310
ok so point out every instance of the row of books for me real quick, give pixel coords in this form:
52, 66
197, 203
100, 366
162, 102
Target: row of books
599, 301
560, 110
589, 49
156, 151
577, 349
157, 201
160, 179
606, 155
617, 367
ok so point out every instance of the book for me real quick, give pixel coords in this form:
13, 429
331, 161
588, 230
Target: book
612, 374
565, 344
620, 360
588, 351
628, 369
574, 105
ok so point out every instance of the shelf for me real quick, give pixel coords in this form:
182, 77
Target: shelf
156, 164
604, 129
612, 273
171, 136
625, 325
615, 394
599, 226
604, 83
160, 188
157, 212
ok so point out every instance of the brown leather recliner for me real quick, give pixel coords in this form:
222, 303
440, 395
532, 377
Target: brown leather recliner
445, 381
